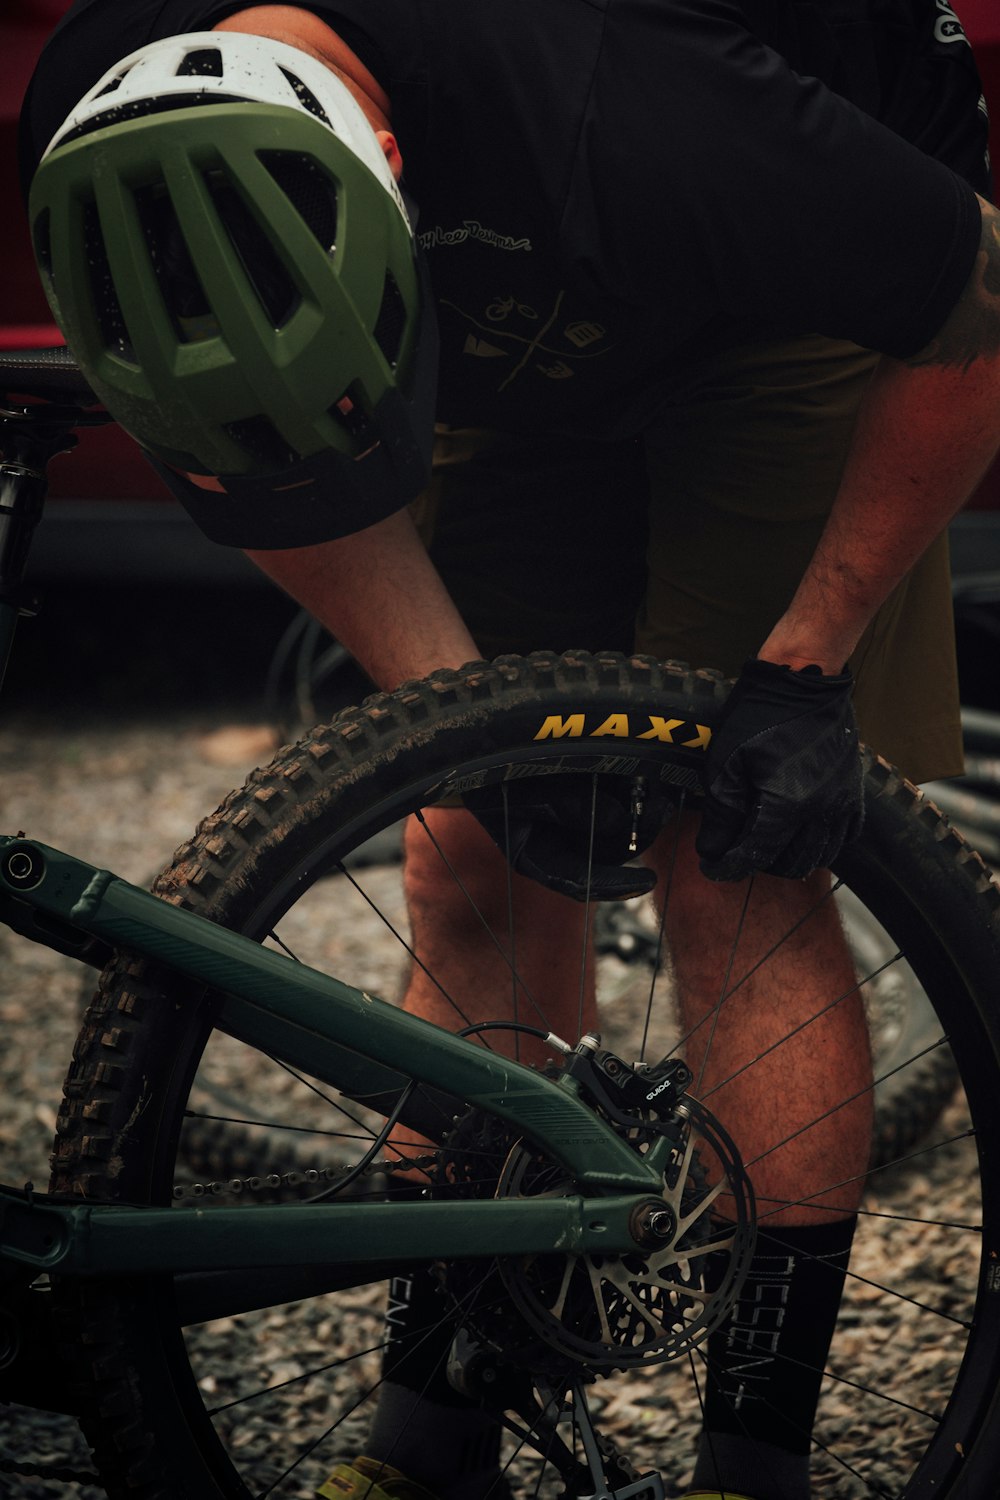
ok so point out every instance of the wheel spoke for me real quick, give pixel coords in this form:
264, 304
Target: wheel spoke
411, 952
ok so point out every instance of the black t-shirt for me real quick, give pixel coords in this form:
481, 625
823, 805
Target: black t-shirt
609, 188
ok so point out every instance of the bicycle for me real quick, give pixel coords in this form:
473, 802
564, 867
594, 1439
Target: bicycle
573, 1215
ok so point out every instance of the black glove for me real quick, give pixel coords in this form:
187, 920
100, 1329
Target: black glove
782, 776
545, 831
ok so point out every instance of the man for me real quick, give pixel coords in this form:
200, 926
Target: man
665, 258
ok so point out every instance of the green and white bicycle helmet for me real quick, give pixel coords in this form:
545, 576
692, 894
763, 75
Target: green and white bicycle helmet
231, 262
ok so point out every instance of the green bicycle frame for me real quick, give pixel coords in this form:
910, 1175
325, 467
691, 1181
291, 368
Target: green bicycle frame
350, 1040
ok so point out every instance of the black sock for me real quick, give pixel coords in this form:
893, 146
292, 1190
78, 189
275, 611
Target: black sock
422, 1426
765, 1363
419, 1331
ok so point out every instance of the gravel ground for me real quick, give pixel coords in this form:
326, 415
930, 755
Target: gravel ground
117, 764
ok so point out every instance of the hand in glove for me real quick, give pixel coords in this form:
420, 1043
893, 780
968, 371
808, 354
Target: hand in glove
782, 776
545, 831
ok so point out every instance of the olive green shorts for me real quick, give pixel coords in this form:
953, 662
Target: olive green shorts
689, 542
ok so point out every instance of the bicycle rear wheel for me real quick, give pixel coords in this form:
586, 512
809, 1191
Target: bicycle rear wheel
176, 1408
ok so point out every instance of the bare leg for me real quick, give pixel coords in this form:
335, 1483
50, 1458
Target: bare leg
779, 1045
778, 947
473, 938
775, 1109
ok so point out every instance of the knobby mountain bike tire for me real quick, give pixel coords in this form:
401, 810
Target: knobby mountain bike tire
265, 1403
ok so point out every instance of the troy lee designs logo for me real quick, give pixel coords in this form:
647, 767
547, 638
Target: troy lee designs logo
470, 229
683, 732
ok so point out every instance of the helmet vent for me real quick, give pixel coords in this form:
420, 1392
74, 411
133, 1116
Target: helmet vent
204, 61
270, 280
311, 192
110, 318
138, 109
306, 97
262, 441
113, 84
390, 325
183, 293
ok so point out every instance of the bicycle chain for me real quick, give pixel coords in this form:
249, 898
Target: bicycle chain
269, 1182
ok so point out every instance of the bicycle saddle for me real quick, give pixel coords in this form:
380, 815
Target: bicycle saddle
51, 373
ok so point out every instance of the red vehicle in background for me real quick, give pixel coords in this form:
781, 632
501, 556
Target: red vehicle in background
144, 533
107, 516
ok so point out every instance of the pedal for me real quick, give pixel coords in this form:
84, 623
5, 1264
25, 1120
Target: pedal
646, 1487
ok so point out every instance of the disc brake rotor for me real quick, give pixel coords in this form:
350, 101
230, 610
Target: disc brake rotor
605, 1312
655, 1303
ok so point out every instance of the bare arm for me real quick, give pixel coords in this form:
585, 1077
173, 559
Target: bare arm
927, 432
380, 595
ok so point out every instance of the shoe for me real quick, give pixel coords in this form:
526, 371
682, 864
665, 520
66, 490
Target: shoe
369, 1479
714, 1495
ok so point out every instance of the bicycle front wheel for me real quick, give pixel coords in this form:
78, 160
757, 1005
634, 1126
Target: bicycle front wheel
264, 1403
